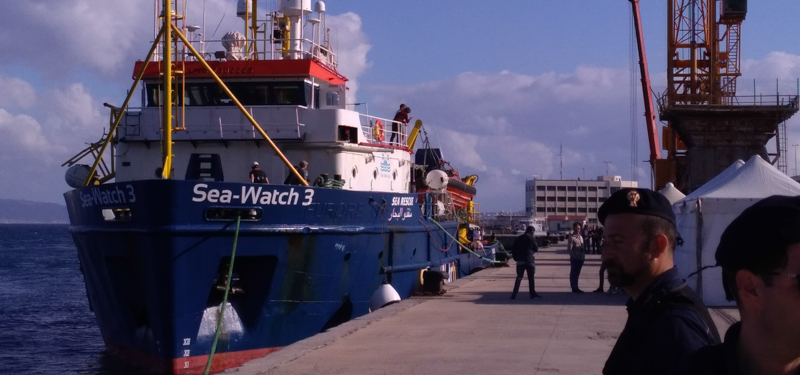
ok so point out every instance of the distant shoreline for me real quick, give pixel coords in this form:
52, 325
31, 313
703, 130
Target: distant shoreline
20, 222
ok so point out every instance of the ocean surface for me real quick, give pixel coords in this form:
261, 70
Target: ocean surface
46, 326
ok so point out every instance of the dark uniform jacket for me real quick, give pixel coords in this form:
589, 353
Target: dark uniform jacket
719, 359
722, 359
524, 247
665, 324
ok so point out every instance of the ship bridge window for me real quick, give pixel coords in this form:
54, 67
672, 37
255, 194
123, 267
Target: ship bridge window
332, 98
248, 93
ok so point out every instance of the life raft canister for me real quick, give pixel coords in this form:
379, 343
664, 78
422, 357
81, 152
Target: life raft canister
378, 131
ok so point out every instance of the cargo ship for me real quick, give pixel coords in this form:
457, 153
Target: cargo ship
194, 264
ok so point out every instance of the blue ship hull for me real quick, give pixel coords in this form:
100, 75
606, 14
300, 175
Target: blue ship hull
155, 256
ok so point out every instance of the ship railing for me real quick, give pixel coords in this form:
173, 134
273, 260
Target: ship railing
308, 50
760, 100
383, 132
135, 127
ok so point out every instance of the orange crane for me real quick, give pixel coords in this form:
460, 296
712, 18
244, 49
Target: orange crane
649, 114
703, 43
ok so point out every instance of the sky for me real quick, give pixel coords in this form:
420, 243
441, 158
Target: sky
509, 90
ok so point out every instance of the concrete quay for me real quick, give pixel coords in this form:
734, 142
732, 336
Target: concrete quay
475, 328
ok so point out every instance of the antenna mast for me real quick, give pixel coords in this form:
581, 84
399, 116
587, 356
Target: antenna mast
607, 163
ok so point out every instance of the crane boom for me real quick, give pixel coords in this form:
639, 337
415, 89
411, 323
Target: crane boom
649, 114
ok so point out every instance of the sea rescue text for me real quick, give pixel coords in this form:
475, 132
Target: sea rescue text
252, 195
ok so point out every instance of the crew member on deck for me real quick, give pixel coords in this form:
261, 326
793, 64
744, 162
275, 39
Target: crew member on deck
302, 170
257, 176
400, 118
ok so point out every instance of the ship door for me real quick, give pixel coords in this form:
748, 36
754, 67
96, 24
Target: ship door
204, 167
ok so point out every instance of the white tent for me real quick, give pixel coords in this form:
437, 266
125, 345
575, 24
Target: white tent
704, 214
671, 193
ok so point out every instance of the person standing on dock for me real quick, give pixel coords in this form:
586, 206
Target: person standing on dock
760, 257
666, 320
524, 247
575, 248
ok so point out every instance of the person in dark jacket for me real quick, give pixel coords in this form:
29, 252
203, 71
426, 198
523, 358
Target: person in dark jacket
760, 257
302, 169
257, 176
666, 320
524, 247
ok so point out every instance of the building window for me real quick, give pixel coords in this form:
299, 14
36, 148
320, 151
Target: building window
562, 210
540, 188
551, 188
581, 199
581, 188
601, 199
571, 210
562, 199
561, 188
614, 190
582, 210
592, 188
551, 209
592, 210
540, 199
539, 209
570, 199
551, 199
570, 188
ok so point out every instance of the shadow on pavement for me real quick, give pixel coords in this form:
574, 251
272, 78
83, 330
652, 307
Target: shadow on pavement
548, 298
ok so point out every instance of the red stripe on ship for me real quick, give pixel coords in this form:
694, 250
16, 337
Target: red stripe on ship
178, 366
221, 362
249, 69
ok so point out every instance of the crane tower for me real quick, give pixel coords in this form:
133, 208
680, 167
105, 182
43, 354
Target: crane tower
709, 126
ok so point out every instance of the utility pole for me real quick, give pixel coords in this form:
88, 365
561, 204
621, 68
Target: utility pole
561, 157
795, 159
607, 163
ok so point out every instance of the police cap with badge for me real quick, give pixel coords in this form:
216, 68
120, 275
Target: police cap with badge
637, 201
757, 237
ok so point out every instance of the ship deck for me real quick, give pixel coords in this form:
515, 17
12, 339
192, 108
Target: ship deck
475, 328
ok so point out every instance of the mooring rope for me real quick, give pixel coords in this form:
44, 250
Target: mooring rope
462, 245
225, 296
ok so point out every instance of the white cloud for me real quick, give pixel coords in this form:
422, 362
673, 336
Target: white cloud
16, 92
22, 136
56, 36
580, 130
351, 46
780, 65
75, 109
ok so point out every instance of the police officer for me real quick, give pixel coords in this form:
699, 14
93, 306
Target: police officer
524, 247
666, 320
760, 257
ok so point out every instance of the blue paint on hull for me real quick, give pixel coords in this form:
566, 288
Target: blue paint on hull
313, 260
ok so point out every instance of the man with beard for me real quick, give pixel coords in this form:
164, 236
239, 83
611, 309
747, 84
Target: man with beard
762, 274
666, 320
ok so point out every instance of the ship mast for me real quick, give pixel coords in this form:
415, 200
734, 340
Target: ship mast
166, 146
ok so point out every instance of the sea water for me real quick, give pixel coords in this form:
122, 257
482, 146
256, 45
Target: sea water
46, 326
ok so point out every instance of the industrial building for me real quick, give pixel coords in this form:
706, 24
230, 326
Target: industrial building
563, 201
